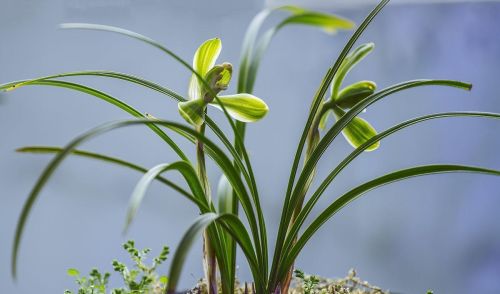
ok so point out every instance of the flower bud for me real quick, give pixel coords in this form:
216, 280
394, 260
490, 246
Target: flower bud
243, 107
218, 79
352, 94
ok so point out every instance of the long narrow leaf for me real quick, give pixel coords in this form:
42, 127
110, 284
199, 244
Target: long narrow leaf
351, 114
105, 158
345, 199
183, 167
221, 159
191, 235
213, 126
247, 47
234, 226
261, 234
318, 98
100, 73
358, 151
325, 21
101, 95
137, 36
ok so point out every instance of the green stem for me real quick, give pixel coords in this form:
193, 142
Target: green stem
208, 251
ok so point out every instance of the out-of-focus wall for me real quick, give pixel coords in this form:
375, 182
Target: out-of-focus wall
440, 232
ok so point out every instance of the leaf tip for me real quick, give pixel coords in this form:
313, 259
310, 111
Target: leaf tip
20, 149
65, 25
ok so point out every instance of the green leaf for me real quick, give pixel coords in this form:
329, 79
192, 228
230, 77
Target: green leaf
131, 34
350, 61
249, 42
293, 232
352, 94
232, 224
243, 107
220, 158
73, 272
251, 58
210, 123
225, 195
101, 95
238, 139
193, 233
358, 131
203, 60
193, 111
353, 194
332, 133
226, 201
330, 23
183, 167
105, 158
318, 99
330, 136
99, 73
142, 38
349, 116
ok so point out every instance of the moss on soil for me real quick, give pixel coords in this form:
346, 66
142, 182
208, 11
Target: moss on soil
351, 284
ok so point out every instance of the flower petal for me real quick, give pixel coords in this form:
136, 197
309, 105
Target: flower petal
358, 131
192, 111
206, 55
243, 107
203, 60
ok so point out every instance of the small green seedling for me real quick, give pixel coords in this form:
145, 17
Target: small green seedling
141, 279
309, 282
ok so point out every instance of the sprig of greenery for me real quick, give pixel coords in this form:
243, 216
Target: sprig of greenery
140, 279
222, 227
95, 283
309, 282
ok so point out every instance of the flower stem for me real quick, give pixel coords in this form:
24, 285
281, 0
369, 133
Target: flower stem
209, 258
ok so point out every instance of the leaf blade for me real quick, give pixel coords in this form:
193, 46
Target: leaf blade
346, 198
224, 163
101, 157
184, 168
354, 154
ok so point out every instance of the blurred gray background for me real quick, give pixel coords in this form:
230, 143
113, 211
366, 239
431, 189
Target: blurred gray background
440, 232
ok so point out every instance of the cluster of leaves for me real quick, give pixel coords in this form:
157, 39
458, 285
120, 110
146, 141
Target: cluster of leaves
223, 227
141, 279
95, 283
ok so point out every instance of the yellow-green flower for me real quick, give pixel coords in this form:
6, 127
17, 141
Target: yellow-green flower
358, 131
243, 107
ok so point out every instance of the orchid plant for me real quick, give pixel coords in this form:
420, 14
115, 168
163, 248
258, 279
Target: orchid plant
220, 225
